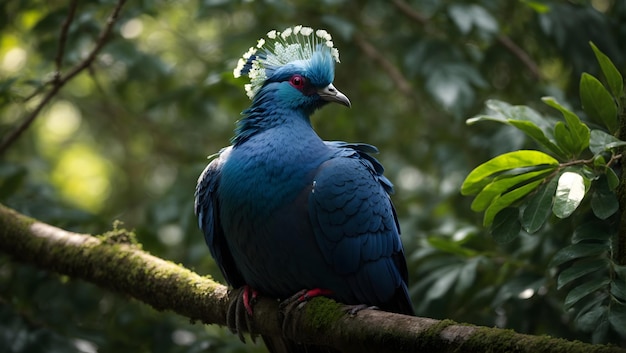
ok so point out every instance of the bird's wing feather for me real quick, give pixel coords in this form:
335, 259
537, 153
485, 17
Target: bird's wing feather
356, 227
207, 209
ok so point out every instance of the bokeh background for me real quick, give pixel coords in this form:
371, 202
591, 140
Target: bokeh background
127, 138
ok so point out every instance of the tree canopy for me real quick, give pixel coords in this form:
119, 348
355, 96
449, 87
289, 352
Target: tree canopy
127, 100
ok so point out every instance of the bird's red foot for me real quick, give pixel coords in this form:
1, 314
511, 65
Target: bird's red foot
296, 301
312, 293
239, 315
249, 298
303, 296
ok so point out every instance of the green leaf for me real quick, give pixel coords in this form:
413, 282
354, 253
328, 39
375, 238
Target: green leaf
438, 281
580, 269
478, 118
576, 134
612, 179
570, 191
443, 284
477, 179
618, 289
534, 132
517, 112
620, 270
592, 231
467, 276
523, 118
599, 161
537, 6
598, 102
539, 207
617, 318
571, 118
528, 127
450, 246
601, 330
506, 226
513, 287
565, 140
612, 75
603, 201
600, 141
590, 319
467, 17
578, 293
577, 251
500, 185
506, 200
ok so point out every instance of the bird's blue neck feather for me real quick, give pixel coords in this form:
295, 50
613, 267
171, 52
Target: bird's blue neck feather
276, 104
274, 150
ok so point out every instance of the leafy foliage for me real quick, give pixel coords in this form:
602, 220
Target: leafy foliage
592, 260
127, 138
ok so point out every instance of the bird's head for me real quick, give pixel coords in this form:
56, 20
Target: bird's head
295, 68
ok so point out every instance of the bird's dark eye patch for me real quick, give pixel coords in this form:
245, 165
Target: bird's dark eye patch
297, 81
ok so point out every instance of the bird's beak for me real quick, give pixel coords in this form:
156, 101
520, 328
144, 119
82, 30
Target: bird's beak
331, 94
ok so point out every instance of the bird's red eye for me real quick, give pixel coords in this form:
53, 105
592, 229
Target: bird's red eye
297, 81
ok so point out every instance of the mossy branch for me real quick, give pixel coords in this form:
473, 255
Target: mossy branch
115, 262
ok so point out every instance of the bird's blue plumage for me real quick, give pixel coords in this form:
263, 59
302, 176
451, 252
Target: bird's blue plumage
282, 210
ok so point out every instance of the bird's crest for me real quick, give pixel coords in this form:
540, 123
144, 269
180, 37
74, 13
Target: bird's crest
293, 44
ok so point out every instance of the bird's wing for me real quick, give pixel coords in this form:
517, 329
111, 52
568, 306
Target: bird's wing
356, 227
207, 208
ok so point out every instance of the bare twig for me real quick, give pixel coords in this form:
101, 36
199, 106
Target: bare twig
396, 76
63, 39
57, 84
521, 55
60, 52
503, 40
410, 12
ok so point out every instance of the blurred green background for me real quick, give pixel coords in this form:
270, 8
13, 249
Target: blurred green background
127, 138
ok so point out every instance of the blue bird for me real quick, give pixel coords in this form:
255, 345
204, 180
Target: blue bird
284, 211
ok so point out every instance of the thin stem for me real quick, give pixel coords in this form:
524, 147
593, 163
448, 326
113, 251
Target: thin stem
521, 55
406, 9
619, 253
413, 14
393, 72
63, 39
59, 82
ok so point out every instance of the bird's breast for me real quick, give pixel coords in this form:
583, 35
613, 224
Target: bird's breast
265, 173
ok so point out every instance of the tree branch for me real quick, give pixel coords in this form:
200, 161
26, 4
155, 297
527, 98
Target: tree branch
503, 40
116, 262
521, 55
59, 81
63, 39
406, 9
396, 76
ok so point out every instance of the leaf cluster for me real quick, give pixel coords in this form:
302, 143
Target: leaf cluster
522, 190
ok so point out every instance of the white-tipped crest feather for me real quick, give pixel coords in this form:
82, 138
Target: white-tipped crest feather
280, 48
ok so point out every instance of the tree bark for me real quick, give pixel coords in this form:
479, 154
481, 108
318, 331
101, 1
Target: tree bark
116, 262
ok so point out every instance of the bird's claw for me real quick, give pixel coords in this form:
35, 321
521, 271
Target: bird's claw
303, 296
249, 298
297, 301
239, 315
352, 310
